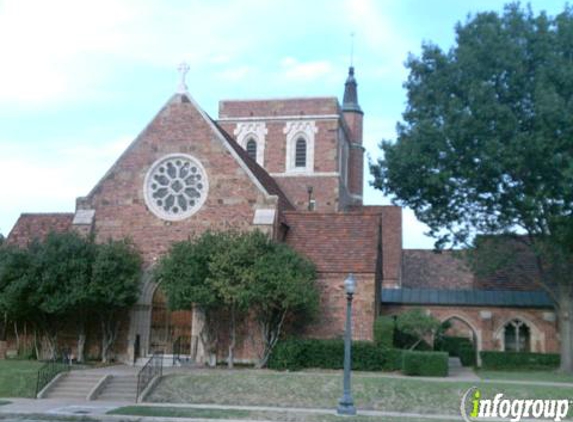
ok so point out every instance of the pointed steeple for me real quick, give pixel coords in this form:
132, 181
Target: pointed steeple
350, 100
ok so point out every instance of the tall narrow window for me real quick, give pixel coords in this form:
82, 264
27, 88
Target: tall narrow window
300, 153
252, 149
517, 337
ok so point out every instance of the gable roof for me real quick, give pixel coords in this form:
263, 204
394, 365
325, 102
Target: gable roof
30, 227
335, 242
255, 172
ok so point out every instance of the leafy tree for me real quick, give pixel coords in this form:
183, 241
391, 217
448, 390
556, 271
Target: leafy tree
2, 239
419, 325
232, 275
240, 275
114, 288
486, 145
63, 271
284, 289
183, 274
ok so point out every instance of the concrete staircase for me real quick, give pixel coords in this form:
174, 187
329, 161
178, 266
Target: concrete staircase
73, 385
119, 388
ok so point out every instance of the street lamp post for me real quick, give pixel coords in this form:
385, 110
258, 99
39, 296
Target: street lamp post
346, 403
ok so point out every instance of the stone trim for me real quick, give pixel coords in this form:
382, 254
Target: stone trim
535, 334
256, 131
294, 130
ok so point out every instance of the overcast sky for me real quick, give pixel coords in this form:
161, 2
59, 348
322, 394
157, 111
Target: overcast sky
80, 79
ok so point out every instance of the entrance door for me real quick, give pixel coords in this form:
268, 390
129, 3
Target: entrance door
167, 326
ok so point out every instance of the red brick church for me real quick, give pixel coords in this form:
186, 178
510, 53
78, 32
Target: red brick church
293, 168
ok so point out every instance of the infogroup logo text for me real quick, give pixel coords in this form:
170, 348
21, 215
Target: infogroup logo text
475, 407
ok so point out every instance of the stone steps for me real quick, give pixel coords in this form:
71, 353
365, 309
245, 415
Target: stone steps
74, 385
119, 388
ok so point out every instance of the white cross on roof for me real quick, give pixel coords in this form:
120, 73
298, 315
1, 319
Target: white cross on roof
183, 68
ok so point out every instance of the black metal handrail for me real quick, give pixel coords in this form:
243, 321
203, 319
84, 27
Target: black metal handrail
153, 368
47, 373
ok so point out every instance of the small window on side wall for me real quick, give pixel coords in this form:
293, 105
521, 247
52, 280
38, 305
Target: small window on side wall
251, 148
300, 153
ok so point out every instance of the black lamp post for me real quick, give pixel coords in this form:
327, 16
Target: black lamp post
346, 403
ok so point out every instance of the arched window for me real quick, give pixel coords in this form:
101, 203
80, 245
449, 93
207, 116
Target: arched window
517, 337
300, 153
251, 148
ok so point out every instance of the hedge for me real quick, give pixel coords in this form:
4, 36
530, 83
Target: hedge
467, 354
296, 354
519, 360
384, 331
429, 364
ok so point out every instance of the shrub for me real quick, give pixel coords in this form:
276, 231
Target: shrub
296, 354
467, 354
519, 360
384, 331
430, 364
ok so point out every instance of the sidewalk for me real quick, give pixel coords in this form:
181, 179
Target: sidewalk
98, 410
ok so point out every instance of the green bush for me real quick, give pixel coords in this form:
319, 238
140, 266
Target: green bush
296, 354
519, 360
467, 354
384, 331
429, 364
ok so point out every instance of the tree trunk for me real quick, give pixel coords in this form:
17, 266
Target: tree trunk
232, 339
17, 335
109, 333
81, 343
566, 332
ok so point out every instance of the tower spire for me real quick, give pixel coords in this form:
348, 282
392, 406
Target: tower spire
350, 99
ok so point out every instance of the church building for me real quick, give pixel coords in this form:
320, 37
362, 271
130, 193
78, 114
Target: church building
292, 168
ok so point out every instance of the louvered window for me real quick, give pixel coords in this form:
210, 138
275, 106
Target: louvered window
300, 153
252, 149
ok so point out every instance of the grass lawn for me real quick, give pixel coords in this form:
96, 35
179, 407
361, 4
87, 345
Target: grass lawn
18, 377
323, 389
188, 412
546, 376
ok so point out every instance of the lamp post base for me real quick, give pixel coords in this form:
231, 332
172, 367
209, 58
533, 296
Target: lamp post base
346, 406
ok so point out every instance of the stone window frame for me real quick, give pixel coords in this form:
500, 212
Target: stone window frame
152, 207
536, 336
295, 130
257, 131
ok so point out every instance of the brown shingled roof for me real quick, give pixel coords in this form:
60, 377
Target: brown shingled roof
427, 269
259, 172
335, 242
37, 226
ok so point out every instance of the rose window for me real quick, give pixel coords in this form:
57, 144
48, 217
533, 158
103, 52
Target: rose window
175, 187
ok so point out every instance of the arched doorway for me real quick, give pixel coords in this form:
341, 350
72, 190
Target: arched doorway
168, 327
463, 338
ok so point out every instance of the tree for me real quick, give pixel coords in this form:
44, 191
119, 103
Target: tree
486, 145
418, 324
242, 276
63, 269
114, 288
232, 275
284, 290
183, 274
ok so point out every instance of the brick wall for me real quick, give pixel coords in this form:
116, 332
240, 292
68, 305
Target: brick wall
544, 332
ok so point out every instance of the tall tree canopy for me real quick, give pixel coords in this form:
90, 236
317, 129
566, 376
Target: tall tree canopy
239, 276
486, 142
